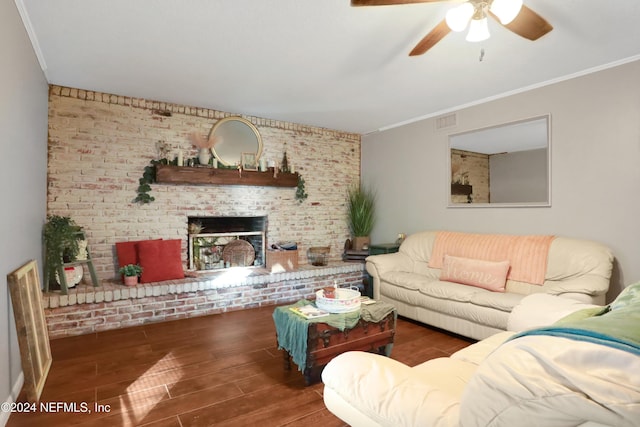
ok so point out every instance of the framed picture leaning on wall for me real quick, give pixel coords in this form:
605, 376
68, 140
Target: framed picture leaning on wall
31, 325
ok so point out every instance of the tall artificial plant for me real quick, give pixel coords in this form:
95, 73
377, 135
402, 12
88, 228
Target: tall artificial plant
361, 210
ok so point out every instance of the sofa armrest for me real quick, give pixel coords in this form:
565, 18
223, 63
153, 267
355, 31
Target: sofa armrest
589, 289
391, 393
538, 310
378, 265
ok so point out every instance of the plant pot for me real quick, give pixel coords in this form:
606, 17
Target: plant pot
130, 280
360, 241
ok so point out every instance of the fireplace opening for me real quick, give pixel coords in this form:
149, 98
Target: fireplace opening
220, 242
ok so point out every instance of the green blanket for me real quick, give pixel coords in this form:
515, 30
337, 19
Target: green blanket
616, 325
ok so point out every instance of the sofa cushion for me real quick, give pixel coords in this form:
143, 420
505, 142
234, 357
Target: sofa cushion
160, 260
418, 246
497, 300
490, 275
406, 280
127, 252
449, 291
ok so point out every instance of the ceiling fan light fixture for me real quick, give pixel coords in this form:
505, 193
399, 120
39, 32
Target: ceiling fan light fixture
478, 30
458, 17
506, 10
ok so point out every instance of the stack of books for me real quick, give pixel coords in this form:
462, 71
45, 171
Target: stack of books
354, 255
309, 311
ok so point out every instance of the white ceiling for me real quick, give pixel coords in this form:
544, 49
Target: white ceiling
315, 62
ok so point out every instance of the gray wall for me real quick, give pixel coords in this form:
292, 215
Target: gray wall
520, 176
23, 175
595, 153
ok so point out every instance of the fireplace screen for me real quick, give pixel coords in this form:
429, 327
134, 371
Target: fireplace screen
225, 242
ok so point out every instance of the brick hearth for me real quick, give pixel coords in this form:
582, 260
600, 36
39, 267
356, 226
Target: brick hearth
88, 309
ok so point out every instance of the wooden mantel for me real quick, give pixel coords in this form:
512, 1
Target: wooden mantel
461, 189
166, 174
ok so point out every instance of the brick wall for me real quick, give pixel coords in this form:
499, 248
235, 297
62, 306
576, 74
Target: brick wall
100, 143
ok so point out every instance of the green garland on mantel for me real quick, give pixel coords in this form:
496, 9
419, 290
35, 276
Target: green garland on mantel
149, 177
301, 193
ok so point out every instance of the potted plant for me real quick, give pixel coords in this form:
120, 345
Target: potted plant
131, 273
61, 242
361, 215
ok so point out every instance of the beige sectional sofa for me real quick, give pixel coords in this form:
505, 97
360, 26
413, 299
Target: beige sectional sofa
550, 376
562, 363
577, 269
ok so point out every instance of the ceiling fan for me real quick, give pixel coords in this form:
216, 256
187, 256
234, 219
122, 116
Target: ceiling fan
511, 14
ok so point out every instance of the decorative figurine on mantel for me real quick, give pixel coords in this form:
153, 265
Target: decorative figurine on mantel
285, 162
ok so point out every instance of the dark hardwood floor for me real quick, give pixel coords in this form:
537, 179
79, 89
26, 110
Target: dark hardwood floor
222, 370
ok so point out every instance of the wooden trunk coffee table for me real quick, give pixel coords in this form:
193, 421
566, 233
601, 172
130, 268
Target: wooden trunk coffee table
324, 342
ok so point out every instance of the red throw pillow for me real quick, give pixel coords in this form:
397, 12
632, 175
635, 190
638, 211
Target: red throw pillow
127, 252
160, 260
490, 275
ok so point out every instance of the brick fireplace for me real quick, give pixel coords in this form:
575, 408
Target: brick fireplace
99, 145
226, 241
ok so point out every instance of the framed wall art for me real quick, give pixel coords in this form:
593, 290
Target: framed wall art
249, 162
33, 338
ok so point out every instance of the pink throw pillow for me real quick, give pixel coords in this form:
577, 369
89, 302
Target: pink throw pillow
160, 260
490, 275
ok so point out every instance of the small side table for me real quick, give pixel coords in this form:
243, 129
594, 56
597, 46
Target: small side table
383, 248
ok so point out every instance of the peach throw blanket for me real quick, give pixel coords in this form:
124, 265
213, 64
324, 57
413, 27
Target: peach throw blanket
527, 255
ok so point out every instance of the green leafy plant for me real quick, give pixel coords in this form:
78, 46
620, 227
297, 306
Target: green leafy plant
61, 236
130, 270
148, 178
301, 193
361, 210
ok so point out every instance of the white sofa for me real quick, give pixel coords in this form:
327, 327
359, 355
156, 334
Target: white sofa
531, 381
576, 269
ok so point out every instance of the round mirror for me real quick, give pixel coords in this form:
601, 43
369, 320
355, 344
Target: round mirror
233, 137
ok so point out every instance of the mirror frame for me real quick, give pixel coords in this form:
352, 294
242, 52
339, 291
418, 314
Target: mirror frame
244, 121
450, 204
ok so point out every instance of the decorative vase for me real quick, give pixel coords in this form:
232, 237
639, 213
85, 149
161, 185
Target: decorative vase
130, 280
204, 156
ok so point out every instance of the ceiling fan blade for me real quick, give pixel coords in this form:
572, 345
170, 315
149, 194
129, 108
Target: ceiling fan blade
389, 2
528, 24
441, 30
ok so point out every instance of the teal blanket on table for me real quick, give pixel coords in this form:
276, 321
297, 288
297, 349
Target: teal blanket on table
292, 329
616, 325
